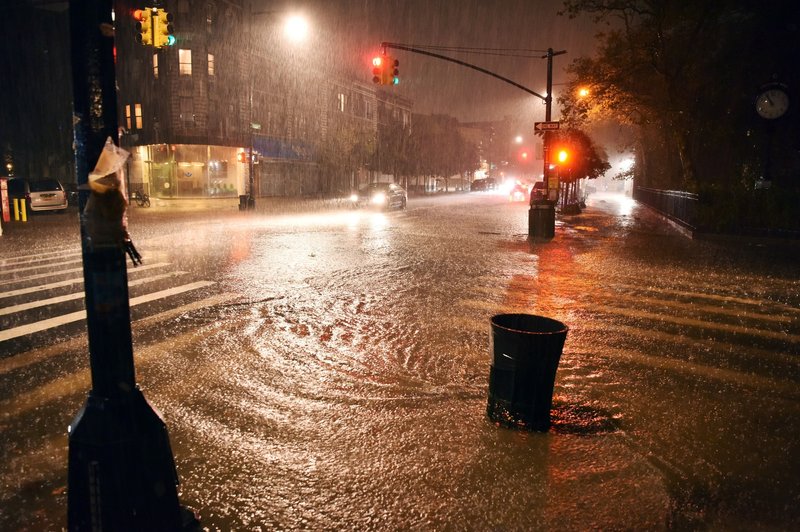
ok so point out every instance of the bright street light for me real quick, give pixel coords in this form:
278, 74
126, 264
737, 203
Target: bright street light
518, 139
296, 28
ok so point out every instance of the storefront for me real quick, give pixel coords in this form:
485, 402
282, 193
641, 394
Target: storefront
187, 171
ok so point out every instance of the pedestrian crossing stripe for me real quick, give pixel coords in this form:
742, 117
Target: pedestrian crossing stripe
68, 282
72, 317
79, 295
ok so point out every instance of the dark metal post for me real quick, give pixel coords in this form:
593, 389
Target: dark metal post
121, 472
542, 212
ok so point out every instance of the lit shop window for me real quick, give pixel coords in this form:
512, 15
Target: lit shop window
210, 64
155, 66
138, 115
128, 116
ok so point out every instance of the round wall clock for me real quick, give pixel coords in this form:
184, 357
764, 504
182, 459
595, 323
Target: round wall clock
772, 103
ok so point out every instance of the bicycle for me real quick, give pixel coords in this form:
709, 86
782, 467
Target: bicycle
141, 199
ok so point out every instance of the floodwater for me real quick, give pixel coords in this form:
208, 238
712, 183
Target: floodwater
336, 376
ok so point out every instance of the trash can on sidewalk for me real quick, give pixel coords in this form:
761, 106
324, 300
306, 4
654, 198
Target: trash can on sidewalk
526, 350
542, 220
246, 203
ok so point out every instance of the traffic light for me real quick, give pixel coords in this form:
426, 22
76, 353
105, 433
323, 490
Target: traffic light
377, 69
162, 29
241, 157
395, 78
144, 26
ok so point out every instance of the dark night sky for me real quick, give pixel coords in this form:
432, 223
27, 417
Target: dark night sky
437, 86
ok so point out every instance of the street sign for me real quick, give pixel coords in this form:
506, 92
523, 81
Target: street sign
542, 126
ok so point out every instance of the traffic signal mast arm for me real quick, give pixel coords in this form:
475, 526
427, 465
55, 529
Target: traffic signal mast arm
470, 65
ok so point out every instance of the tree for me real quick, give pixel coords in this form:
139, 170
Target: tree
439, 148
346, 148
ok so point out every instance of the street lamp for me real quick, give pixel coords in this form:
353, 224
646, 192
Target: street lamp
295, 29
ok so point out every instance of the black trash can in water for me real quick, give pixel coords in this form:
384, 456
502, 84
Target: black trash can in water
526, 350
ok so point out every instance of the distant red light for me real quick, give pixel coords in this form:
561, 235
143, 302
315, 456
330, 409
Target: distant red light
376, 61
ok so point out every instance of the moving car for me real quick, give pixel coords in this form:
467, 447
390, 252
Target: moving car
381, 195
41, 195
480, 185
518, 193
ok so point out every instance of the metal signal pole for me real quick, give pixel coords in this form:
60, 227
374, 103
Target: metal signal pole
121, 472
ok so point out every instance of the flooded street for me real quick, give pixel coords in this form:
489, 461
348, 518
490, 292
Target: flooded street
333, 374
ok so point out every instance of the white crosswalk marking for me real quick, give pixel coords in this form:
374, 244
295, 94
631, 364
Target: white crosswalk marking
39, 267
42, 325
74, 280
78, 295
38, 257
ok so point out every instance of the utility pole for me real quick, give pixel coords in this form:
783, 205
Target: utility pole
121, 472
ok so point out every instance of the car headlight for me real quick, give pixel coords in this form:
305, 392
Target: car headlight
379, 198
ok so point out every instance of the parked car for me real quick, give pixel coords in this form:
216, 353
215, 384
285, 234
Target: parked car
40, 195
47, 195
539, 193
380, 195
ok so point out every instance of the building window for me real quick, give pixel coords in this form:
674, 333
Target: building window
368, 112
340, 101
155, 66
185, 60
187, 109
138, 115
210, 64
209, 17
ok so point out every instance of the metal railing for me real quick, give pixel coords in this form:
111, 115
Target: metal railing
678, 206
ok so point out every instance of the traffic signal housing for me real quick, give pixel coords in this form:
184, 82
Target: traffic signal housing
163, 29
395, 65
385, 70
144, 26
378, 68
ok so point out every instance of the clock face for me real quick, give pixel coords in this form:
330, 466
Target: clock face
772, 103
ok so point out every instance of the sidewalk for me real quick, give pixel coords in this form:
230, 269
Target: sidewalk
264, 205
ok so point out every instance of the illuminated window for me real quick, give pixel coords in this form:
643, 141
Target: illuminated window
155, 66
138, 114
210, 64
185, 61
128, 116
340, 101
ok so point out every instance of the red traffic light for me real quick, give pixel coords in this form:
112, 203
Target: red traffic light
138, 14
563, 155
377, 61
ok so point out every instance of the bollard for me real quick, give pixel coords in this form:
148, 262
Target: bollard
526, 350
23, 210
16, 209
